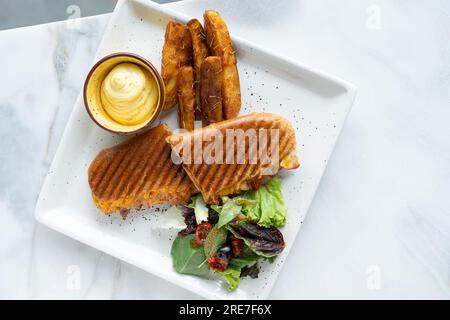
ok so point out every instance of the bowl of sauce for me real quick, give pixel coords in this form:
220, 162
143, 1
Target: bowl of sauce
124, 93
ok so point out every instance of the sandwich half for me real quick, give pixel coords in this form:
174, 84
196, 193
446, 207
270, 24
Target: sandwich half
235, 155
138, 172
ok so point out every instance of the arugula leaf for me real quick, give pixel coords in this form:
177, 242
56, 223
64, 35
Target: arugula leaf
230, 210
188, 259
214, 240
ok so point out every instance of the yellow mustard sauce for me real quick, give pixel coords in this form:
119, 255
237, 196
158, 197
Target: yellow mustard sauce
129, 94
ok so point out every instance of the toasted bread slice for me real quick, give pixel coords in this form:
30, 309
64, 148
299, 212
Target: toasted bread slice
267, 145
138, 172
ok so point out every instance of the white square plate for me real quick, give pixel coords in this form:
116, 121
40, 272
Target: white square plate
317, 105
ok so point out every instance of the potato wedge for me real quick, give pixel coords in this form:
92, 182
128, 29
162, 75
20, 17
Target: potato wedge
219, 42
201, 51
176, 53
186, 98
211, 89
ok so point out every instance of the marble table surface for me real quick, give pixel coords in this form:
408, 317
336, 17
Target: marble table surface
379, 226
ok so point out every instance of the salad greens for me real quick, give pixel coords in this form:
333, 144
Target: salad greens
229, 211
266, 242
265, 206
187, 258
232, 237
200, 208
233, 273
215, 239
232, 276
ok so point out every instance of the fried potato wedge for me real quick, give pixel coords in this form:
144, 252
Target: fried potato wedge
219, 42
186, 98
176, 53
201, 51
211, 89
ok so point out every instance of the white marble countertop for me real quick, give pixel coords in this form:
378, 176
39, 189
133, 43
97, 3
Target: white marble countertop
379, 226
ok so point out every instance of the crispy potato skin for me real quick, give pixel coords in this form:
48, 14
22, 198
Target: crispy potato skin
186, 98
201, 51
219, 42
211, 89
176, 53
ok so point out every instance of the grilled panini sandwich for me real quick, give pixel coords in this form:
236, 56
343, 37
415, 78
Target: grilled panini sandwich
236, 154
138, 172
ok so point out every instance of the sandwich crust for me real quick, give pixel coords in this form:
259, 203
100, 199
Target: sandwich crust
138, 172
236, 168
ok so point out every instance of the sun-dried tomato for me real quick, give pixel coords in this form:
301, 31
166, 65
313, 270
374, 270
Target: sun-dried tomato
218, 264
201, 232
237, 245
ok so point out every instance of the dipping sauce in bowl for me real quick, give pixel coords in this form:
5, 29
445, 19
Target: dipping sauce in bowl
124, 93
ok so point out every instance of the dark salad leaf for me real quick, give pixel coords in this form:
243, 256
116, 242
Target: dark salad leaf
266, 242
189, 218
213, 216
252, 271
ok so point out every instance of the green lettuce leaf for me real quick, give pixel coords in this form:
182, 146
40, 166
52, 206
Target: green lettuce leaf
230, 210
233, 273
188, 259
265, 206
232, 277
